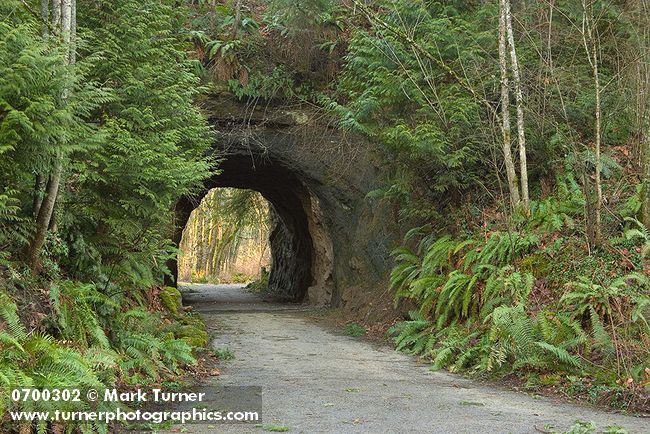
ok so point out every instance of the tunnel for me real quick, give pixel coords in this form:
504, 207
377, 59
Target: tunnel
331, 242
300, 247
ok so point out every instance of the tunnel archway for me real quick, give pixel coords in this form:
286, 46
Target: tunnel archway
300, 245
292, 155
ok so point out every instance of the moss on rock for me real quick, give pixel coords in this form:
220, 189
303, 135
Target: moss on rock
171, 299
536, 264
194, 334
192, 330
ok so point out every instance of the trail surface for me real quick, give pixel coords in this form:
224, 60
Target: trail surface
316, 380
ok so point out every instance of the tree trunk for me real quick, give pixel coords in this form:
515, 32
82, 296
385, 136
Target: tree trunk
73, 32
523, 167
644, 116
590, 223
46, 209
505, 110
599, 164
56, 13
213, 15
39, 186
200, 257
644, 152
645, 189
44, 216
45, 17
39, 182
591, 46
236, 23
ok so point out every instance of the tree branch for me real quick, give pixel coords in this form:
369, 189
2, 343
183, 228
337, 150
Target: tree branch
373, 18
53, 30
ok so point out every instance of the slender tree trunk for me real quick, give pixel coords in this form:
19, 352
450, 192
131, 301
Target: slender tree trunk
645, 189
199, 247
599, 163
56, 13
213, 14
644, 114
44, 216
214, 242
200, 260
513, 186
73, 32
45, 16
236, 23
39, 186
39, 182
591, 46
46, 208
645, 154
54, 218
523, 166
590, 223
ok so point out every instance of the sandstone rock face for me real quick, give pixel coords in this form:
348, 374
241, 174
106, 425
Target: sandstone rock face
327, 235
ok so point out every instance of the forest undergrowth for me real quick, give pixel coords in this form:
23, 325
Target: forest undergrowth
527, 298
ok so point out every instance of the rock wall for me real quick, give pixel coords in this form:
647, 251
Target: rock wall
291, 266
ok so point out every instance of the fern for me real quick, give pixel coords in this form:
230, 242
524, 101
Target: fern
559, 211
408, 333
455, 298
148, 351
78, 308
526, 342
560, 354
639, 232
501, 249
37, 360
504, 286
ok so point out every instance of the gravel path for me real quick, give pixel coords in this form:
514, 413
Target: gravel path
315, 380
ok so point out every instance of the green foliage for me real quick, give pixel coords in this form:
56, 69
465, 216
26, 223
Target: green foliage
505, 286
474, 304
36, 126
224, 353
191, 329
276, 50
447, 278
35, 359
123, 124
78, 309
523, 341
130, 146
260, 285
171, 299
587, 296
638, 231
558, 211
588, 427
433, 129
92, 343
154, 144
237, 224
354, 329
413, 334
147, 350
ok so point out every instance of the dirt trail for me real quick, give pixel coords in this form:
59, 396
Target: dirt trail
315, 380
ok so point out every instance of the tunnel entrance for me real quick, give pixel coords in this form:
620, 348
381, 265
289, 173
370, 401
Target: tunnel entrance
300, 247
